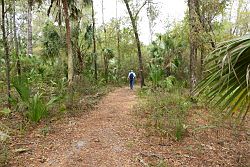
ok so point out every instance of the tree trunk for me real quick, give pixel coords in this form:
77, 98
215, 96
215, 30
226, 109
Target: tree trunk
7, 27
10, 27
79, 55
133, 21
77, 48
118, 40
118, 49
193, 43
105, 59
206, 23
29, 32
68, 41
150, 21
239, 10
15, 39
106, 67
94, 40
6, 51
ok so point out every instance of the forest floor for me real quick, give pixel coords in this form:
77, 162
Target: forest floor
110, 135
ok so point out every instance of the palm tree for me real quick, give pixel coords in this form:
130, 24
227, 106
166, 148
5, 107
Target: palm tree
228, 77
65, 5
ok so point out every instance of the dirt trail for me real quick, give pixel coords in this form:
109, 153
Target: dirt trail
105, 137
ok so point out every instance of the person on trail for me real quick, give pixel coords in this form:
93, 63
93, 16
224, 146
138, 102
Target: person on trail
131, 77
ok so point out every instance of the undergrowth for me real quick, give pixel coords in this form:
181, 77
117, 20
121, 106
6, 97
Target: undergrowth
3, 154
165, 112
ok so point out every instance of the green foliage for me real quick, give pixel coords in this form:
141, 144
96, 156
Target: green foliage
168, 51
21, 85
166, 113
228, 77
168, 83
5, 111
37, 108
3, 155
52, 43
155, 75
108, 53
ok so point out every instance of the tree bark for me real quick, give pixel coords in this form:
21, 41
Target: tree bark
68, 41
105, 59
205, 22
6, 51
9, 27
150, 21
118, 40
77, 48
202, 62
15, 39
79, 55
133, 21
118, 49
106, 66
193, 43
29, 32
94, 40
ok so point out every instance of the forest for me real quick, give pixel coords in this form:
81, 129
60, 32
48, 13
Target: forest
67, 98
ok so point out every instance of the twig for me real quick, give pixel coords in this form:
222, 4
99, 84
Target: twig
140, 10
151, 155
143, 163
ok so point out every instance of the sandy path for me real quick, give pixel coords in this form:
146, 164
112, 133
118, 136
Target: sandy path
105, 137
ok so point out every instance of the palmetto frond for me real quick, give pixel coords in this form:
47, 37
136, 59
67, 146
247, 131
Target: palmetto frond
228, 76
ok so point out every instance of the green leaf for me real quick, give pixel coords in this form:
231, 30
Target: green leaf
5, 111
227, 79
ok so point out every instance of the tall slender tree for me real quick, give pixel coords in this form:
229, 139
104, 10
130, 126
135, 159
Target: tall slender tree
6, 52
94, 39
30, 4
105, 58
118, 39
29, 31
68, 42
133, 19
152, 14
193, 42
74, 12
15, 38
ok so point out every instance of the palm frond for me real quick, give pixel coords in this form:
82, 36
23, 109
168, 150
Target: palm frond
228, 76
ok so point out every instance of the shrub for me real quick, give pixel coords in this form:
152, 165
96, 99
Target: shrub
37, 108
167, 113
168, 83
155, 75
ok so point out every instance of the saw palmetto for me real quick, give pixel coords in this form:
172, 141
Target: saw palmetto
228, 77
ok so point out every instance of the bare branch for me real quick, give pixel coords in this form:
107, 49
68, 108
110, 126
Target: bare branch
136, 15
51, 4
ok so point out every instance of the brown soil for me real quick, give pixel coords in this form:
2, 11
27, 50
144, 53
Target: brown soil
110, 136
104, 137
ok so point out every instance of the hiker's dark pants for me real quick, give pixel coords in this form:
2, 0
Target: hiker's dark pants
131, 82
